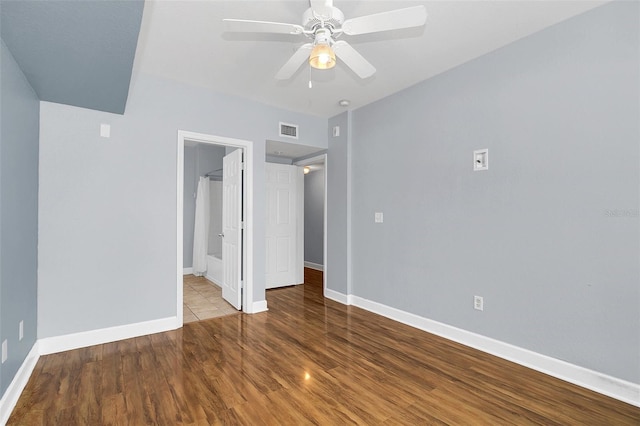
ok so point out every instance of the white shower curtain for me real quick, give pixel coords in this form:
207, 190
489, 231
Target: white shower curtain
201, 228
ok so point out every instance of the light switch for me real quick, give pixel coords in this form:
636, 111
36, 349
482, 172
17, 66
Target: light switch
378, 218
105, 130
336, 131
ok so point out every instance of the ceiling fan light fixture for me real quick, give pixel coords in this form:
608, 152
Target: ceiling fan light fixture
323, 24
322, 57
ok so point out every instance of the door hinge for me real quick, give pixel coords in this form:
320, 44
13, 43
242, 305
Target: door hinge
241, 225
241, 166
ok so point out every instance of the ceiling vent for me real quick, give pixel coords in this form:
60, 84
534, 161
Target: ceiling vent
289, 130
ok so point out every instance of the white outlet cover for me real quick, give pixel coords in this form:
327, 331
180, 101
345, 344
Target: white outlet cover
478, 303
21, 330
105, 130
378, 217
5, 350
481, 159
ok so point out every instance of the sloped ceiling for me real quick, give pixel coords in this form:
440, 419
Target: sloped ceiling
75, 52
81, 52
186, 41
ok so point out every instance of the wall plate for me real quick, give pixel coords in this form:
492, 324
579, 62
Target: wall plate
481, 159
105, 130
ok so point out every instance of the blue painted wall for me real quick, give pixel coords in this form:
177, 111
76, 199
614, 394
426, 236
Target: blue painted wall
314, 217
549, 234
75, 52
113, 201
19, 133
338, 205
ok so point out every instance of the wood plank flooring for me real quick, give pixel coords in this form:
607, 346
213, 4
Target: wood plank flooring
308, 360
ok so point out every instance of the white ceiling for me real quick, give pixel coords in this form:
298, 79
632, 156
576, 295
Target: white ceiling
185, 41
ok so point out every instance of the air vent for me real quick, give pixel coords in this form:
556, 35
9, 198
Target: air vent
289, 130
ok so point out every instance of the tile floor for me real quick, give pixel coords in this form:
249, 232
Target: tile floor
202, 299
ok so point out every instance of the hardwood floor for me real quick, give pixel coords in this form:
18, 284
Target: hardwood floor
308, 360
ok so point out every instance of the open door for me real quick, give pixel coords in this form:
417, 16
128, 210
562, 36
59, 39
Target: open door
285, 225
232, 228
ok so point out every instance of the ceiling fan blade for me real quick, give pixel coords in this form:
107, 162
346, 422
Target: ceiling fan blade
248, 26
292, 65
393, 20
322, 8
353, 59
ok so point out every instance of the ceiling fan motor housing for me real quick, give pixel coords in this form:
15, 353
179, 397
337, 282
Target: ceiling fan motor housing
332, 20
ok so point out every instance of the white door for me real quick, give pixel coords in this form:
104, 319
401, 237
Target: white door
232, 228
285, 265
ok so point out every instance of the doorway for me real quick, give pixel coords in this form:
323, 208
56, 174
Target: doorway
204, 237
305, 156
244, 257
316, 164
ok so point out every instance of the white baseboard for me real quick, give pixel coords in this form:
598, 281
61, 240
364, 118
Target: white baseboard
611, 386
187, 271
315, 266
213, 281
258, 307
13, 392
598, 382
337, 296
83, 339
67, 342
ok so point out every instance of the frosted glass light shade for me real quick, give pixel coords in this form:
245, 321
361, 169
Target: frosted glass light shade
322, 57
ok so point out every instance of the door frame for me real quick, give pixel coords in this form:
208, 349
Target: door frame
306, 162
247, 214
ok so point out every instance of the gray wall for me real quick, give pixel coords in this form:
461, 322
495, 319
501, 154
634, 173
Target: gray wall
338, 205
19, 117
107, 248
314, 217
198, 161
549, 234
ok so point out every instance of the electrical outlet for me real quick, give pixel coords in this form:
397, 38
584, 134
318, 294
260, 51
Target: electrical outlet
481, 159
5, 350
378, 217
478, 303
21, 330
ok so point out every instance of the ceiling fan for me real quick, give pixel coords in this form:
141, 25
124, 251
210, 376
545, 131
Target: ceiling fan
323, 24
